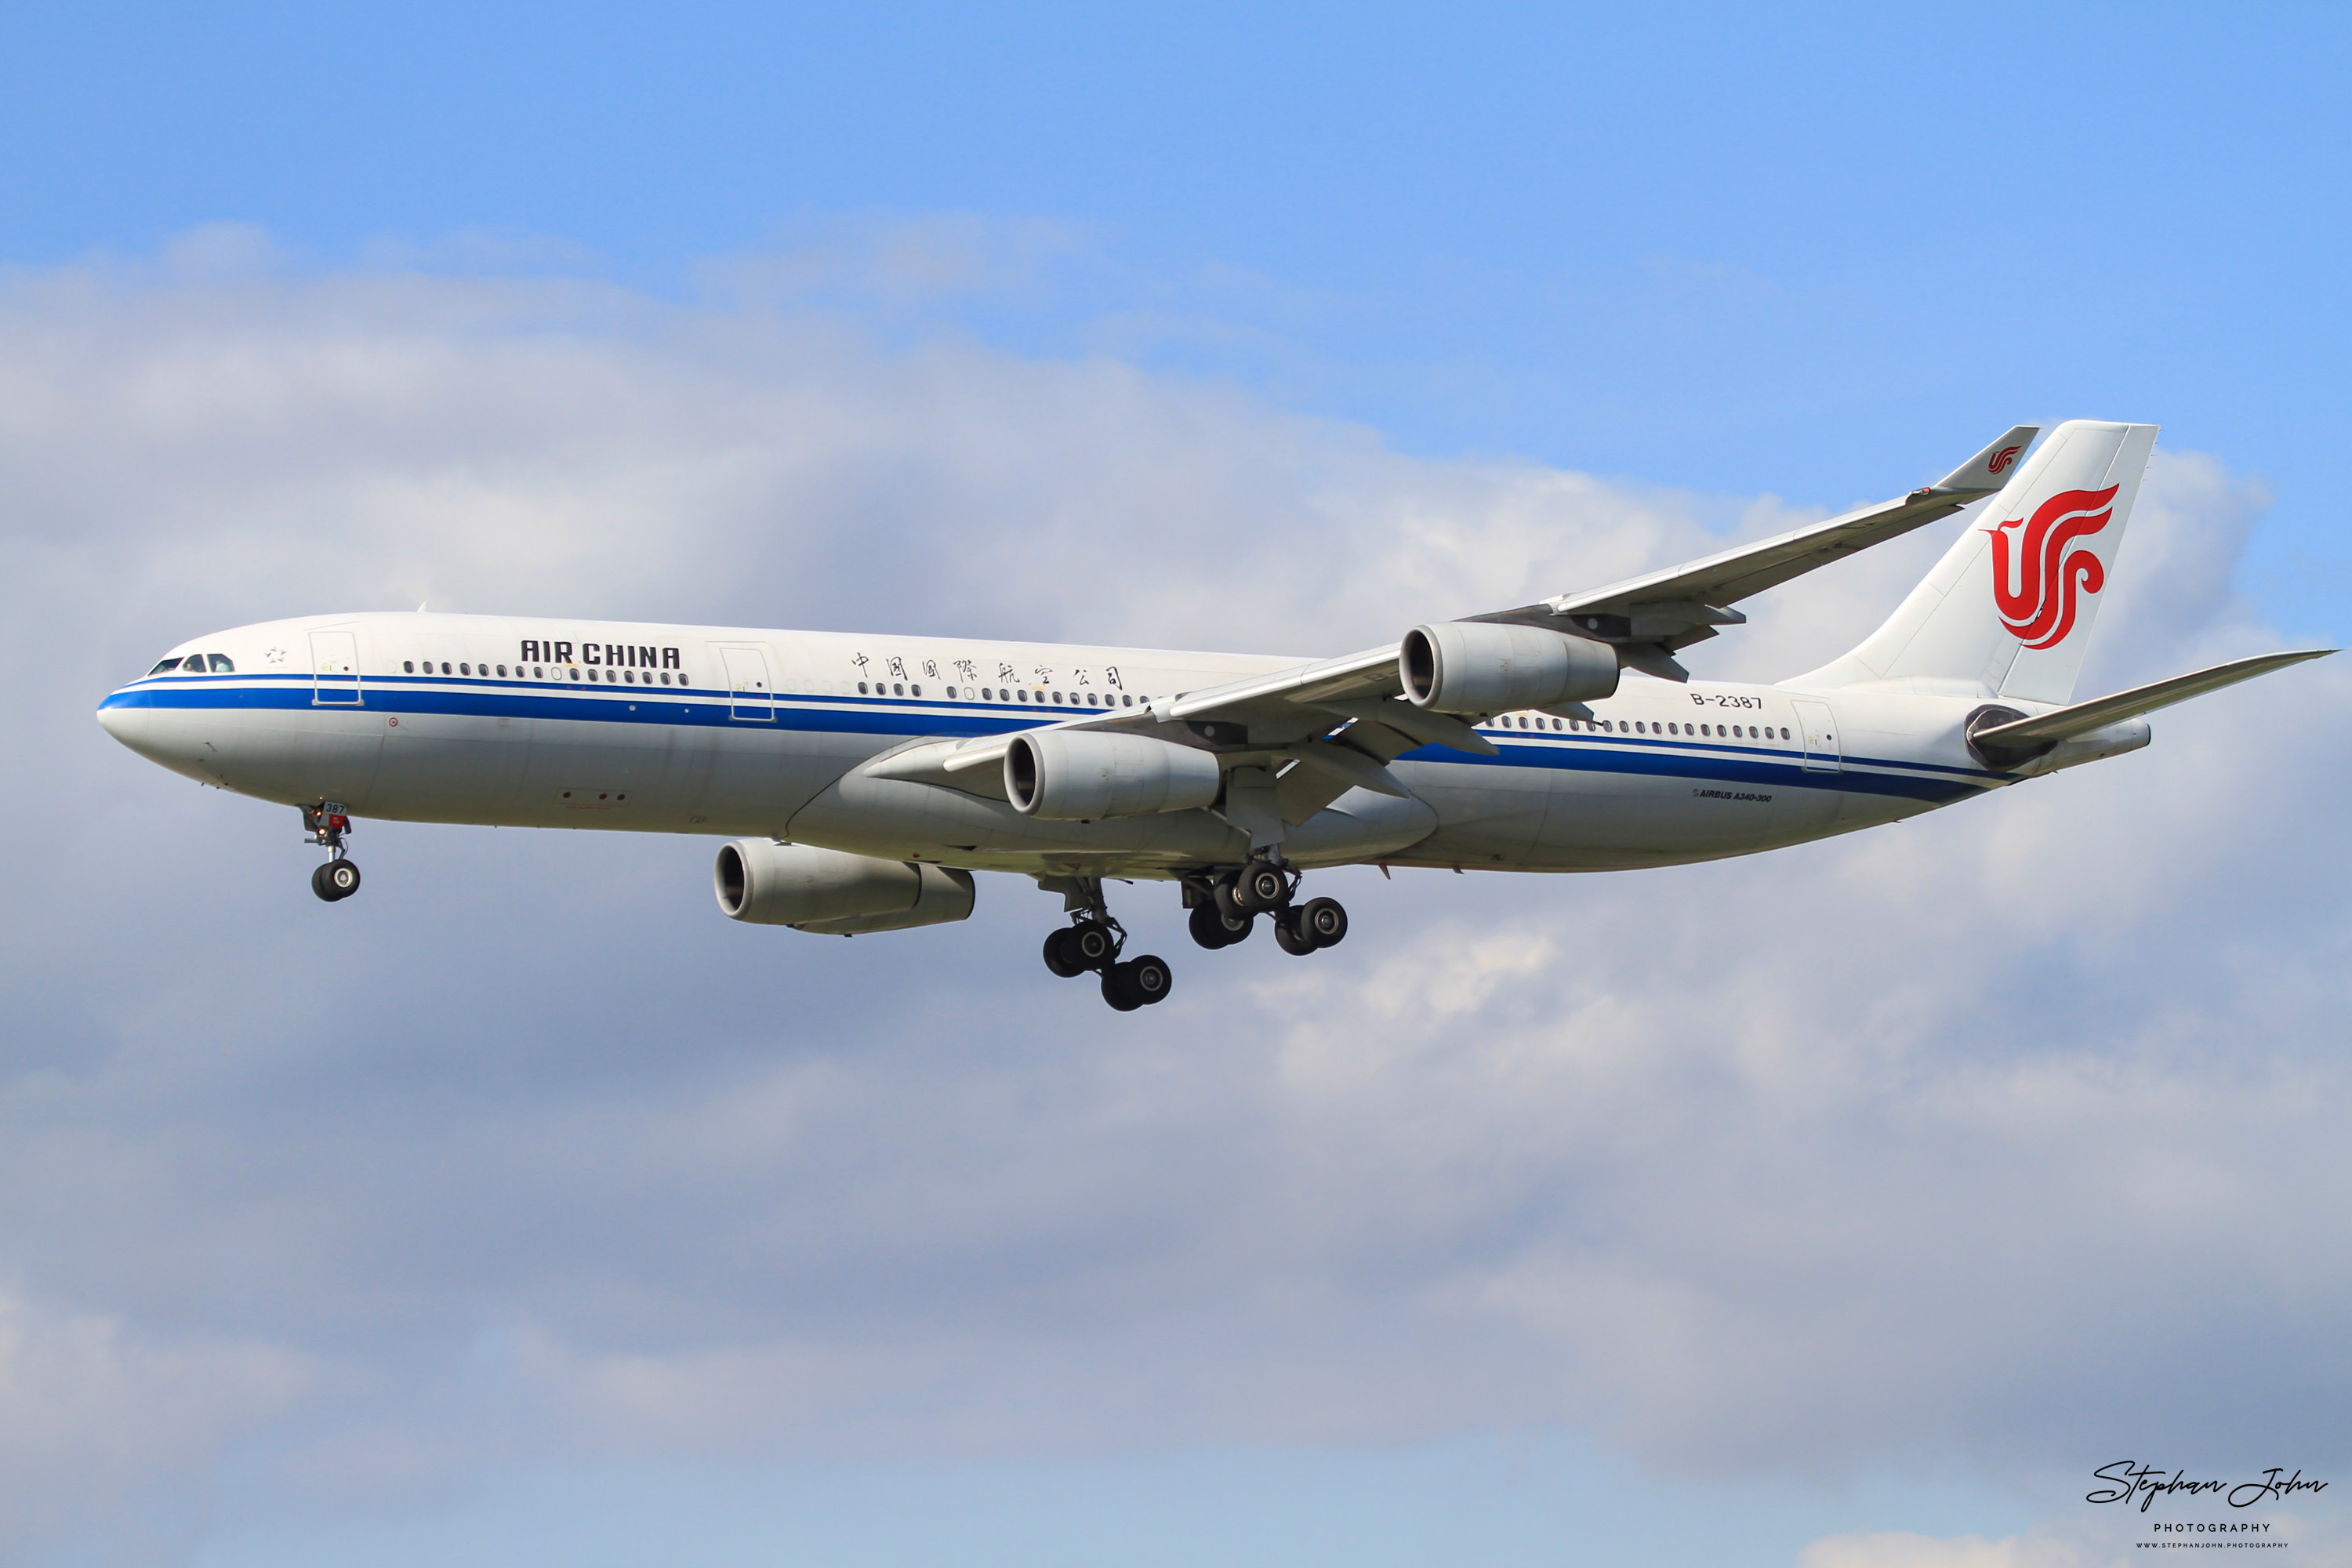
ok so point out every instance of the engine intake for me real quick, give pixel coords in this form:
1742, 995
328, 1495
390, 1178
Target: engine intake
1078, 775
833, 893
1487, 666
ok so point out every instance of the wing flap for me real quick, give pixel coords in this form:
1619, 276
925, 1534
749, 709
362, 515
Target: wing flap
1371, 673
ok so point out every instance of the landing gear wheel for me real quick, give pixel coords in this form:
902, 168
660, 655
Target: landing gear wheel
1289, 937
1093, 944
1138, 983
1261, 885
1213, 928
1323, 922
1150, 978
336, 880
1058, 956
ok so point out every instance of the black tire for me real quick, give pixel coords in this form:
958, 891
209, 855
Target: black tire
319, 884
1150, 978
336, 880
1289, 937
1058, 956
1260, 886
1324, 923
1208, 928
1118, 990
1093, 944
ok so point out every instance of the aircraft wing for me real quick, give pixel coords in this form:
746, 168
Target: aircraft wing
1645, 617
1649, 615
1333, 724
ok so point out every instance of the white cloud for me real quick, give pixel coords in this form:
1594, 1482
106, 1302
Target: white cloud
1922, 1146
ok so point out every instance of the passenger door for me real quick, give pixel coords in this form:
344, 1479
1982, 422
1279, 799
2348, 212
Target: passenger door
749, 698
1819, 725
335, 670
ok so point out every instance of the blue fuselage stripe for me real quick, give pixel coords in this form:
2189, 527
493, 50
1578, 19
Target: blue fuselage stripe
909, 718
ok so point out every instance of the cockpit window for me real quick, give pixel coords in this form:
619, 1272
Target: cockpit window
167, 664
222, 665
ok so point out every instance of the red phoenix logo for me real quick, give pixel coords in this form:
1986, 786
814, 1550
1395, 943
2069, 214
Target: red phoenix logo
2037, 594
2003, 459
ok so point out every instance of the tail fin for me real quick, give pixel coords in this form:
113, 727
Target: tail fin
2008, 611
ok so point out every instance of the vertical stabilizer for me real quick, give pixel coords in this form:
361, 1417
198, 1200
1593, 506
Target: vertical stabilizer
2008, 611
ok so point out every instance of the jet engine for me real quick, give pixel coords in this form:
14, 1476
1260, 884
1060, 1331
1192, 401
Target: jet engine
1078, 775
833, 893
1487, 666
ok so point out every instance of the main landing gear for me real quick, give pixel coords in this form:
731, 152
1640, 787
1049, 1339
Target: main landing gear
328, 823
1232, 902
1091, 946
1226, 910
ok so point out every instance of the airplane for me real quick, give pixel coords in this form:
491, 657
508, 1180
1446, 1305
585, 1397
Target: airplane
863, 779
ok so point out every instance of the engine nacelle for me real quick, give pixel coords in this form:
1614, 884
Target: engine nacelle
1080, 775
833, 893
1487, 666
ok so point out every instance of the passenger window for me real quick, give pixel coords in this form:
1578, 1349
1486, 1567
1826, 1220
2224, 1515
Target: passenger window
1023, 694
537, 672
164, 665
918, 690
408, 666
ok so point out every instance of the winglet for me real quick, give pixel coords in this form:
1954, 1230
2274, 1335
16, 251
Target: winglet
1989, 470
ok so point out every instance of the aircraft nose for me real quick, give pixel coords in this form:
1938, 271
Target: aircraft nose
133, 726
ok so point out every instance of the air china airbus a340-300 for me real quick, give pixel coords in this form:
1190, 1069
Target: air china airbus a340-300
863, 779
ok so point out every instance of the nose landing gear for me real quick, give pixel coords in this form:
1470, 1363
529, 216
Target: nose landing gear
328, 823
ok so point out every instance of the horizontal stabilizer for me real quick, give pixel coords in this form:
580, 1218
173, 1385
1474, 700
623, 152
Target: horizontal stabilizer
2082, 718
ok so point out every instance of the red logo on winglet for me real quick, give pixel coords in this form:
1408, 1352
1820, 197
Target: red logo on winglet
2037, 594
2004, 457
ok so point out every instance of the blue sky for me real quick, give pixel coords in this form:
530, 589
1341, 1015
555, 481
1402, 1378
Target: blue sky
536, 1214
1722, 248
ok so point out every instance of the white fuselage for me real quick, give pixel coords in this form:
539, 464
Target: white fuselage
740, 731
